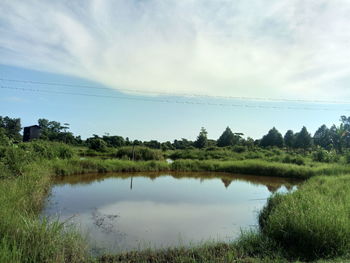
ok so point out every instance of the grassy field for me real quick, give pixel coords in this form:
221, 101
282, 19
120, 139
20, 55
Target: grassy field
310, 224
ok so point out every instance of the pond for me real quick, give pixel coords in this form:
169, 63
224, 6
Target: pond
121, 212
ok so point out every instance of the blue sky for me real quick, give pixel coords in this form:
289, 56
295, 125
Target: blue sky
276, 49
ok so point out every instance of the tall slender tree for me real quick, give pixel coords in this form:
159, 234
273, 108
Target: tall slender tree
303, 139
227, 138
202, 139
273, 138
322, 137
289, 139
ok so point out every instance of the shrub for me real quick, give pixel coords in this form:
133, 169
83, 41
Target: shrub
299, 160
239, 149
97, 144
321, 155
139, 153
347, 157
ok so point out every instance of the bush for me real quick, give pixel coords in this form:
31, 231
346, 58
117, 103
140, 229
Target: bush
239, 149
97, 144
298, 160
347, 157
4, 140
321, 155
14, 159
139, 153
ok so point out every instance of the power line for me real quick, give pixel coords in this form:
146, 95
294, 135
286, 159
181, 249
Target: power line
177, 94
170, 101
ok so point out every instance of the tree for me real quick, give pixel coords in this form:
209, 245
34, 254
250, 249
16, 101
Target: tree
182, 144
114, 141
345, 123
12, 127
96, 143
167, 146
289, 139
4, 140
54, 131
154, 144
228, 138
273, 138
202, 139
303, 139
322, 137
337, 137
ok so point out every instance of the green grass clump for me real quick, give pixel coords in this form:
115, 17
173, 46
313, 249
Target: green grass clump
313, 222
24, 237
90, 165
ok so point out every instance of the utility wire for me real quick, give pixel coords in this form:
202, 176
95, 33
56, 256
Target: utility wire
170, 101
176, 94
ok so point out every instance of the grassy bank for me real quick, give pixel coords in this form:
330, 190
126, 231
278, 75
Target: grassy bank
23, 236
250, 167
313, 222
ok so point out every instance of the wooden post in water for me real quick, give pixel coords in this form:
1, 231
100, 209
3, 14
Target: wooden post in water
133, 159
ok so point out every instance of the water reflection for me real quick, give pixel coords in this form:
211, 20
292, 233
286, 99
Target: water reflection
128, 211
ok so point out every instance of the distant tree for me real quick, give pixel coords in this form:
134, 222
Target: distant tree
303, 139
322, 137
114, 141
4, 140
273, 138
337, 135
182, 144
228, 138
289, 139
152, 144
12, 127
166, 146
345, 123
96, 143
249, 142
137, 143
202, 139
55, 131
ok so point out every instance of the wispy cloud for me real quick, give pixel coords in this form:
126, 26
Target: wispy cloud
295, 48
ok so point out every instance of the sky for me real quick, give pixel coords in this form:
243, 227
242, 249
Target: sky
151, 56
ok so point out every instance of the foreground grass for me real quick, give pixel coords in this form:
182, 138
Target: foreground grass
23, 236
313, 222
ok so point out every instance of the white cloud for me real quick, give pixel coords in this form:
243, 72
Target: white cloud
294, 49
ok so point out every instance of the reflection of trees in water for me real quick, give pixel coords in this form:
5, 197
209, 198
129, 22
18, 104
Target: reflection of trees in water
272, 183
273, 188
226, 182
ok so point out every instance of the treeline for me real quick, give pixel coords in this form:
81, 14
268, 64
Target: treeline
335, 138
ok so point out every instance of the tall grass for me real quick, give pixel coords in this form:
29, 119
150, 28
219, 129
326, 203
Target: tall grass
313, 222
26, 238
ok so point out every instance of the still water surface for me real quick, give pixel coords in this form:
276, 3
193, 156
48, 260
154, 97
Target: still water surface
121, 212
